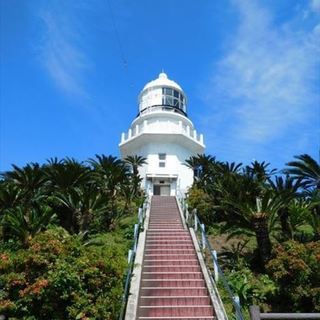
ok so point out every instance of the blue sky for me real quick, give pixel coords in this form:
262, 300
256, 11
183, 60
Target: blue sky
71, 72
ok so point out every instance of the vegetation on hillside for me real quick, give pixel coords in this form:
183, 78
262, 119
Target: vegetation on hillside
273, 219
65, 230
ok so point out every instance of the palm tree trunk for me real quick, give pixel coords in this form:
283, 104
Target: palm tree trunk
260, 226
285, 225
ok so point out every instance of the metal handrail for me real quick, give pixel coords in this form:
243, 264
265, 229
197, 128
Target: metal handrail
131, 257
216, 267
255, 314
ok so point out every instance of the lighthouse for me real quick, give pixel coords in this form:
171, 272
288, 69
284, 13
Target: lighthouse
164, 135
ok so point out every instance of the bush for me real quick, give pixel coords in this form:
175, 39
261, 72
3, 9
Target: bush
296, 268
200, 200
57, 277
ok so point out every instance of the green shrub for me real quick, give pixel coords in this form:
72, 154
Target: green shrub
57, 277
200, 200
296, 268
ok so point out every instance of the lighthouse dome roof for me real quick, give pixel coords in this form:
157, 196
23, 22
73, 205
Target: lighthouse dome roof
162, 94
162, 81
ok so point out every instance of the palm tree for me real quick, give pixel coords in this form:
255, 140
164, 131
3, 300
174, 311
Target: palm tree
305, 168
313, 196
83, 204
204, 168
255, 218
26, 223
10, 195
286, 189
259, 171
29, 179
135, 162
109, 173
66, 174
132, 187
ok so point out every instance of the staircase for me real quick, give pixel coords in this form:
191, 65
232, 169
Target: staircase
172, 285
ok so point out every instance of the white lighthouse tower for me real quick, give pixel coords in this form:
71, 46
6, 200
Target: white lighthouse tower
165, 136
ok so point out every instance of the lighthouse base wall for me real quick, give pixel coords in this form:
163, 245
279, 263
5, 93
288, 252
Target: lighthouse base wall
165, 172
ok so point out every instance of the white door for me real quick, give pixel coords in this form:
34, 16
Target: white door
165, 190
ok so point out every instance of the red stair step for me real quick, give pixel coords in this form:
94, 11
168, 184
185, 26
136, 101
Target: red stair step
160, 311
169, 291
181, 283
175, 301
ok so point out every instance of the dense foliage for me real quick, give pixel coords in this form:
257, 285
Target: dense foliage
63, 237
273, 219
59, 278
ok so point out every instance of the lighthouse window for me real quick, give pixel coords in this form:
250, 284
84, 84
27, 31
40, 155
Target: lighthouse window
169, 101
173, 98
167, 91
162, 160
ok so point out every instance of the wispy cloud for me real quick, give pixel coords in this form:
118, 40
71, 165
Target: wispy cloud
266, 83
61, 52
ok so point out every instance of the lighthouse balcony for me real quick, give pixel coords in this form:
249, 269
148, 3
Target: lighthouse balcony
162, 128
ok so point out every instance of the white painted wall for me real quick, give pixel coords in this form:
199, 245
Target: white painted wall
175, 159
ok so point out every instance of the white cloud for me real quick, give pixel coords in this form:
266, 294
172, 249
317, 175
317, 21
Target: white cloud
61, 54
267, 78
315, 5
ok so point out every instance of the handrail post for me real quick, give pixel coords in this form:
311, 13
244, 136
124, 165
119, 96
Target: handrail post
254, 312
136, 230
195, 220
130, 254
140, 215
203, 236
236, 300
215, 265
